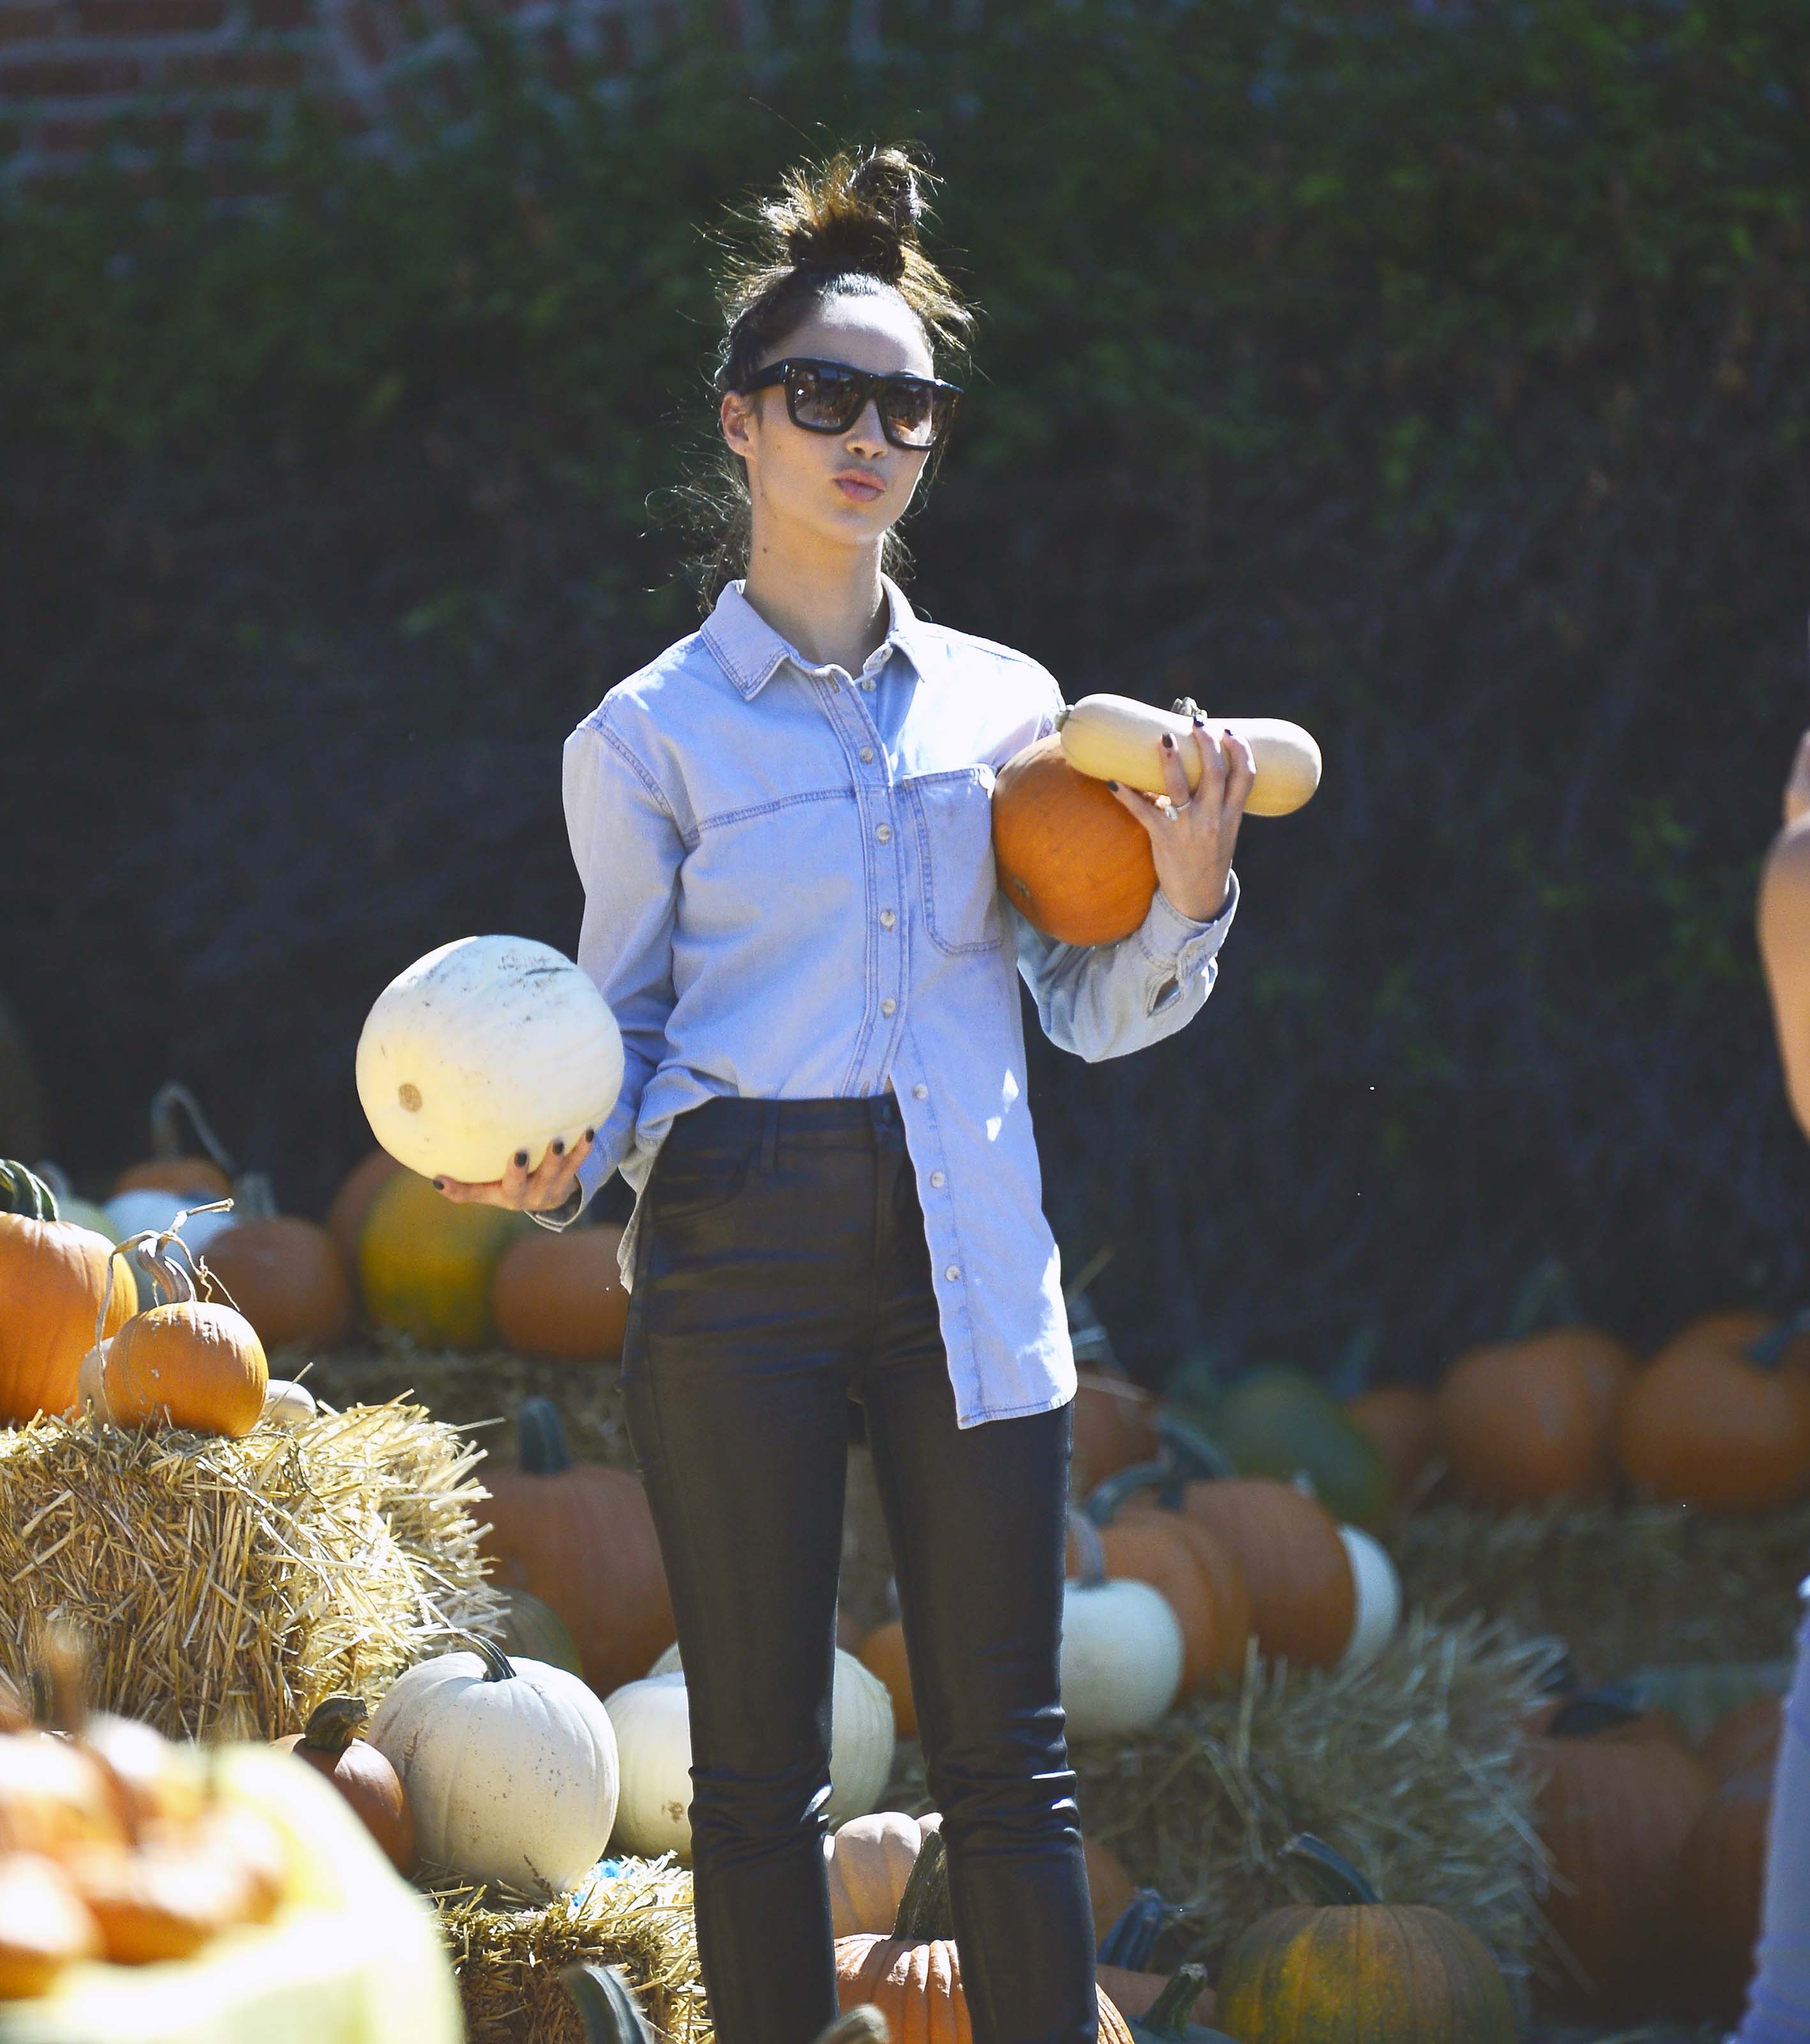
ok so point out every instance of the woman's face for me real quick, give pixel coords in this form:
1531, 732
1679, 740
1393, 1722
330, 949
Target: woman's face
835, 490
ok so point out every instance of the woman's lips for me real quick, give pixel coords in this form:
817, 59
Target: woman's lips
859, 489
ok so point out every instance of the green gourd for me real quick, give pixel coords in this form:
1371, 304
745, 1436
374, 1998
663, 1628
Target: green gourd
1276, 1421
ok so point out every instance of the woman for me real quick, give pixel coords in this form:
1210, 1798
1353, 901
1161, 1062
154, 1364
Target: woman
1778, 1999
783, 828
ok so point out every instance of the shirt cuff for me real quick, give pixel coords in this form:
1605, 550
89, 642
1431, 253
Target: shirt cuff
562, 1216
1179, 943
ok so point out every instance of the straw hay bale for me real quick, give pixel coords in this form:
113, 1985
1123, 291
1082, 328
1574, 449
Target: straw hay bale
507, 1958
227, 1586
1622, 1588
1410, 1767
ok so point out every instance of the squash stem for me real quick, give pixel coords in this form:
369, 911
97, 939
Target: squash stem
1107, 1495
1091, 1550
924, 1908
166, 1138
497, 1667
332, 1723
1330, 1873
1169, 2010
540, 1437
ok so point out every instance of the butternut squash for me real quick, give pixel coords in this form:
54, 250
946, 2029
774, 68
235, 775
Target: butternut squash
1114, 737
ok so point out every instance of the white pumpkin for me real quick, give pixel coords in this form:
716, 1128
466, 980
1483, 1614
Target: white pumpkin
1379, 1598
148, 1207
652, 1719
510, 1768
486, 1045
861, 1739
1122, 1649
290, 1406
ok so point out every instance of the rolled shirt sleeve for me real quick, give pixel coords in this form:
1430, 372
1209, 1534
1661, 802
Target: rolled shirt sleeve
628, 845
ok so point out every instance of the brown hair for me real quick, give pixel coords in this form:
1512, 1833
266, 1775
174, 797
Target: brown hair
850, 226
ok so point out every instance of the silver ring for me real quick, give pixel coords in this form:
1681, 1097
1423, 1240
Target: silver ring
1173, 812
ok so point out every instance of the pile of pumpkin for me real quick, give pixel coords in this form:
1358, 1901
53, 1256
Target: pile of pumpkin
452, 1276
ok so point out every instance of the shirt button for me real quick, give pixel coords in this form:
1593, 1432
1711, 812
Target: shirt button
887, 919
885, 833
953, 1272
866, 755
867, 683
887, 1006
936, 1177
920, 1093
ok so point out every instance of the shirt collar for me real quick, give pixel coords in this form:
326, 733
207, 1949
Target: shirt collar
750, 652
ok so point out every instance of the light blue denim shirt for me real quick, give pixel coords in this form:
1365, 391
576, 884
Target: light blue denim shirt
789, 893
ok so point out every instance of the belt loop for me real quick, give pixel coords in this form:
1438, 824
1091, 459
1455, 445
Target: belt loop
770, 1138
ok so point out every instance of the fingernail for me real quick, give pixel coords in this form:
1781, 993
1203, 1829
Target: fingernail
1113, 786
1169, 742
590, 1135
1228, 730
439, 1185
559, 1146
521, 1156
1200, 721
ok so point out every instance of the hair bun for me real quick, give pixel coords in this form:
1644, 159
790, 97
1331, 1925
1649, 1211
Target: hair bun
858, 215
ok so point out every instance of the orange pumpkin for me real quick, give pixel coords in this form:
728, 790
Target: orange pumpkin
1722, 1871
58, 1283
362, 1775
361, 1185
560, 1295
1720, 1420
287, 1277
581, 1538
913, 1975
1747, 1736
1199, 1578
1400, 1419
1296, 1573
1114, 1426
183, 1363
882, 1652
1524, 1421
1613, 1810
1073, 863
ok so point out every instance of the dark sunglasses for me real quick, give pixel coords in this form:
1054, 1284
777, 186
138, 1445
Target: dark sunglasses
828, 397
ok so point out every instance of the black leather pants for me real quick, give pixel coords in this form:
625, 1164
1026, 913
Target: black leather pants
782, 1270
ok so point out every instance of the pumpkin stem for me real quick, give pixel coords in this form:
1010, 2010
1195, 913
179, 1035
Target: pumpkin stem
497, 1667
924, 1909
1062, 715
331, 1724
1190, 1451
1093, 1552
606, 2006
1768, 1350
1546, 1298
1132, 1938
166, 1137
26, 1193
540, 1438
1332, 1876
1107, 1495
1169, 2010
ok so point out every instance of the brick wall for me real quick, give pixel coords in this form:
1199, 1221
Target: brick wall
212, 75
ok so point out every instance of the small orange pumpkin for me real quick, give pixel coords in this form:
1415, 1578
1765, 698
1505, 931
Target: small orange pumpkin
1073, 863
59, 1284
882, 1652
913, 1974
1295, 1569
1525, 1422
287, 1276
362, 1774
1400, 1419
183, 1363
560, 1295
1114, 1426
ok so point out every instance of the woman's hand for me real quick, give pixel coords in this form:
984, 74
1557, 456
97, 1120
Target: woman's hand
547, 1186
1192, 836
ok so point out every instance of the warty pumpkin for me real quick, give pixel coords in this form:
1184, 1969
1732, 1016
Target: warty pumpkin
560, 1296
1353, 1969
1527, 1422
1198, 1577
1720, 1423
913, 1974
45, 1928
362, 1775
59, 1282
581, 1538
1613, 1810
185, 1362
424, 1263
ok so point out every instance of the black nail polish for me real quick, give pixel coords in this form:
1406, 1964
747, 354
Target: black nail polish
521, 1157
1168, 743
439, 1185
590, 1135
559, 1146
1113, 786
1200, 721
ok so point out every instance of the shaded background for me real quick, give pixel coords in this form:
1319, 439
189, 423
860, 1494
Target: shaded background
1437, 379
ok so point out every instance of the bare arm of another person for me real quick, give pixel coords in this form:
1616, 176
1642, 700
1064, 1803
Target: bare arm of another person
1783, 916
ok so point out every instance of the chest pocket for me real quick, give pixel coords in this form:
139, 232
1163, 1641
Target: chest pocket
954, 815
